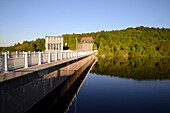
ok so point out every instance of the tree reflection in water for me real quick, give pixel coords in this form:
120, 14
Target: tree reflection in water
134, 68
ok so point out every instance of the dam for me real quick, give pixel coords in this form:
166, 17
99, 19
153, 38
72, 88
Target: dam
25, 90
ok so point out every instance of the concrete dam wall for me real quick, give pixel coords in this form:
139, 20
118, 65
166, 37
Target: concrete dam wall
21, 93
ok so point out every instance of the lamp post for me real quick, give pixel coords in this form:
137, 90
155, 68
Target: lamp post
76, 48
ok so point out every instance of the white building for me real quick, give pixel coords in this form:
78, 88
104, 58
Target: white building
54, 43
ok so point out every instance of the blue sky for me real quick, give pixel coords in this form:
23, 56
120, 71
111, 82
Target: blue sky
30, 19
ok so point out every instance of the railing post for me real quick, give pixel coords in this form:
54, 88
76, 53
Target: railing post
29, 53
39, 58
71, 54
16, 54
65, 55
56, 56
5, 62
49, 57
34, 53
26, 60
61, 55
8, 53
68, 55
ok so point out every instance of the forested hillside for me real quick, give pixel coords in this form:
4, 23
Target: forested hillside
140, 41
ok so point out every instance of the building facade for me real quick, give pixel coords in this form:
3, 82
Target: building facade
85, 46
54, 43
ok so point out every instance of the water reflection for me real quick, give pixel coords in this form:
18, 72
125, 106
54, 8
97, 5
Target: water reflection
138, 69
145, 91
60, 99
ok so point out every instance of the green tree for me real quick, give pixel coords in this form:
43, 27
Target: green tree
139, 49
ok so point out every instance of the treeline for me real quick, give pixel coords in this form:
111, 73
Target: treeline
37, 45
131, 42
140, 41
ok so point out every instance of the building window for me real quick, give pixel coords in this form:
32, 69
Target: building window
54, 46
57, 46
48, 46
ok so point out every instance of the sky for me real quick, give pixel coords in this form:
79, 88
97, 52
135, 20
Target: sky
22, 20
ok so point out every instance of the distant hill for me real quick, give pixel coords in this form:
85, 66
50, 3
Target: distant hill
140, 41
134, 42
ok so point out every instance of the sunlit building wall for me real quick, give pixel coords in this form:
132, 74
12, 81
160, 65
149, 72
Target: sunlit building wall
85, 46
54, 43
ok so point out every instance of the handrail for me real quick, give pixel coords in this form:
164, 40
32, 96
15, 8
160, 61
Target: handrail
26, 59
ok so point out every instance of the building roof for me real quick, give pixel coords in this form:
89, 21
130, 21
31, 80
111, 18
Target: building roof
85, 43
86, 38
54, 36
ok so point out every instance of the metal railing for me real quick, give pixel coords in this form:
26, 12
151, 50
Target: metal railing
15, 60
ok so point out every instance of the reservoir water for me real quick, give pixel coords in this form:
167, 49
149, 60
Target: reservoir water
113, 85
125, 86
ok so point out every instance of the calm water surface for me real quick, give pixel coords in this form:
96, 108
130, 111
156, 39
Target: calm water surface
125, 86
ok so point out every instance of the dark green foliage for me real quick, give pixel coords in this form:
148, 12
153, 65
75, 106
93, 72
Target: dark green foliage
37, 45
136, 42
139, 49
4, 49
135, 68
